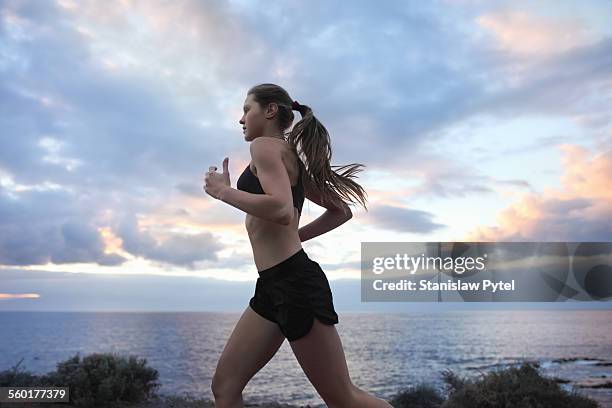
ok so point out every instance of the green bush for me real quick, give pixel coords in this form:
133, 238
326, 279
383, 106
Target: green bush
17, 377
104, 378
99, 379
420, 396
516, 387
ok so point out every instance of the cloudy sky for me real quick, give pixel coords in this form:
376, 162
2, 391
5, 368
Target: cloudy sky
476, 121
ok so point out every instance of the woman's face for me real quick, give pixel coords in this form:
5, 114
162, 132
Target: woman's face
253, 119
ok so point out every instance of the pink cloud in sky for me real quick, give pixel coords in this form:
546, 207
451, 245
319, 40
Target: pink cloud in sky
523, 33
19, 296
581, 210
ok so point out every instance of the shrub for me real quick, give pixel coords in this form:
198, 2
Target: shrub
420, 396
99, 379
18, 377
517, 387
104, 378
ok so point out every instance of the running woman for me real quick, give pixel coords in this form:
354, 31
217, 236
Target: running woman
292, 298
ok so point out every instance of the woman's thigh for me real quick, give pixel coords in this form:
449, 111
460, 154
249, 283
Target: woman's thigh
253, 342
321, 356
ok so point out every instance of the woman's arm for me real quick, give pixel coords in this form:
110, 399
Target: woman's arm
276, 204
327, 221
259, 205
332, 218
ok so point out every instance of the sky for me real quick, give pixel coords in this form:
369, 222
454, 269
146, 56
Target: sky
475, 120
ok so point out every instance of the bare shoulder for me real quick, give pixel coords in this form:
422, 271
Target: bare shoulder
264, 146
266, 152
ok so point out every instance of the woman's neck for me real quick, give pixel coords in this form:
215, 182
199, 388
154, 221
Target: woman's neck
276, 135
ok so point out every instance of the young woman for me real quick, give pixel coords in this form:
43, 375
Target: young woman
292, 297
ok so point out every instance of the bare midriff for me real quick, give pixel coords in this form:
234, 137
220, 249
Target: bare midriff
272, 242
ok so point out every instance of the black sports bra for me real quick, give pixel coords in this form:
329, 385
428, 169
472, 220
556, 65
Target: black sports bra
250, 183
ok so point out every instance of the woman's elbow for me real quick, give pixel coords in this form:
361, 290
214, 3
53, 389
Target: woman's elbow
348, 213
347, 216
341, 214
345, 213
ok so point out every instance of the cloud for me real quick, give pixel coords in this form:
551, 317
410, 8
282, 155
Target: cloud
6, 296
581, 210
177, 249
111, 110
402, 219
448, 179
572, 84
81, 147
41, 226
62, 227
521, 32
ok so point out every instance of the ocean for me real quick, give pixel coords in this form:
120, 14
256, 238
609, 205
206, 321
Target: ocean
386, 352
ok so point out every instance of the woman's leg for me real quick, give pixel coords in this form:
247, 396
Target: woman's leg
251, 345
322, 358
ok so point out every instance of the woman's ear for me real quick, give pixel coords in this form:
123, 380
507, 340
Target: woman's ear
271, 110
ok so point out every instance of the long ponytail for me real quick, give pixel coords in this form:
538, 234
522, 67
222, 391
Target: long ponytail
314, 145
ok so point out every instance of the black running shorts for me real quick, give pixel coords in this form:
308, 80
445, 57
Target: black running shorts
292, 293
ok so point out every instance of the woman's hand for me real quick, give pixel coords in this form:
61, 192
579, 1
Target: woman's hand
215, 183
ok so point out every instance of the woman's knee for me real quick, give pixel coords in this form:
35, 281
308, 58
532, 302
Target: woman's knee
223, 386
342, 398
356, 397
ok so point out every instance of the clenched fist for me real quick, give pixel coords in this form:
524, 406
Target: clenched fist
215, 183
